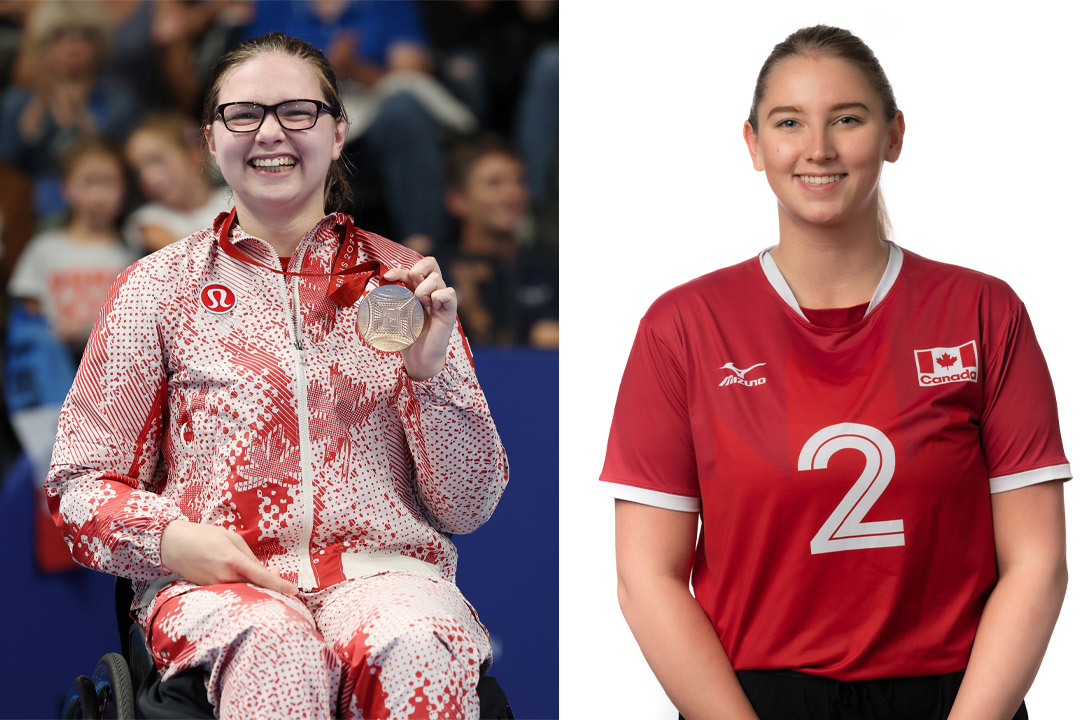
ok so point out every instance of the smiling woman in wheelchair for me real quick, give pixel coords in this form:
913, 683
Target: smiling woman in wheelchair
280, 492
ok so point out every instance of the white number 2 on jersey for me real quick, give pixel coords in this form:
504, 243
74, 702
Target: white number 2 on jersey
845, 529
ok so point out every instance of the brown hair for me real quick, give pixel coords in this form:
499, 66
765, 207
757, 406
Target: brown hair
85, 145
842, 44
176, 128
463, 157
337, 194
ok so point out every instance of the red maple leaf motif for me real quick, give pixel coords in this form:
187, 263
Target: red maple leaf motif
946, 360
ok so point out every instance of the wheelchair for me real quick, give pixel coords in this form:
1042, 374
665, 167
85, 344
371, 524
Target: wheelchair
126, 685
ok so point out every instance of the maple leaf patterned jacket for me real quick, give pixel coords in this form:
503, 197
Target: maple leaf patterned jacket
273, 419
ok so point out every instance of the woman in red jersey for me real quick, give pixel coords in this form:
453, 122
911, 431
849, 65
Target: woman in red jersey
281, 491
871, 443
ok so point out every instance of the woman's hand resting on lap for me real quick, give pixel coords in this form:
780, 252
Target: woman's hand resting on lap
210, 555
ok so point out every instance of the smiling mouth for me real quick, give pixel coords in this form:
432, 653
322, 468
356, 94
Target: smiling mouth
277, 164
820, 179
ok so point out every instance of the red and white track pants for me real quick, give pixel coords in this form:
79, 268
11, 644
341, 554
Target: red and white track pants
393, 645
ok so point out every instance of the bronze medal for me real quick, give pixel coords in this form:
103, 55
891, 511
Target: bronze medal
390, 318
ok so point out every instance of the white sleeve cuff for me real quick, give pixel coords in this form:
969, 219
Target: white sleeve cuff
667, 501
1004, 483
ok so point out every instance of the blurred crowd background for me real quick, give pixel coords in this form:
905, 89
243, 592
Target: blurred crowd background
453, 144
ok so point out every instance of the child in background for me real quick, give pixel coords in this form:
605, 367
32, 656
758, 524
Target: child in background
61, 279
507, 291
165, 152
65, 274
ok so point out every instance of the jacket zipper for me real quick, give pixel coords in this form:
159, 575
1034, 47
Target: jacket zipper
306, 579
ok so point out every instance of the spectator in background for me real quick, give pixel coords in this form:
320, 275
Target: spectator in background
65, 274
163, 50
502, 60
482, 50
166, 153
57, 286
537, 130
13, 14
398, 110
64, 48
133, 58
507, 293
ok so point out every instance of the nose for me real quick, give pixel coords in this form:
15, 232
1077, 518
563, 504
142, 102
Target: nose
271, 130
821, 147
153, 178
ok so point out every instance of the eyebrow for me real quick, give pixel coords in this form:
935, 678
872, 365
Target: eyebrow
784, 109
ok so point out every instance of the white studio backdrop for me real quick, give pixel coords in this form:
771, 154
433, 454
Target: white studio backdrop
658, 188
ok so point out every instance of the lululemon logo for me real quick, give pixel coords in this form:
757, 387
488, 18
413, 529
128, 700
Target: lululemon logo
217, 298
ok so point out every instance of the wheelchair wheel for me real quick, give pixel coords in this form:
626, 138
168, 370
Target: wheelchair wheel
112, 687
82, 702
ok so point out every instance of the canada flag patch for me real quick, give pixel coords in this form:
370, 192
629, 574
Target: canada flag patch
937, 366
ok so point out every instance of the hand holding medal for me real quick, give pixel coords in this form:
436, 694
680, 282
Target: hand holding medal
427, 355
389, 318
412, 312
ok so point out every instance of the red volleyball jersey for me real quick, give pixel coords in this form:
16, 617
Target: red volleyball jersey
843, 467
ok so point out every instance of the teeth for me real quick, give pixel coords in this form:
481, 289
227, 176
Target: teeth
273, 163
820, 179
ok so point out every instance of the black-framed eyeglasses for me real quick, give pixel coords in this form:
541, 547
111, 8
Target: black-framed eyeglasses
244, 117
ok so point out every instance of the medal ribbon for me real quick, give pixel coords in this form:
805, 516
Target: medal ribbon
343, 289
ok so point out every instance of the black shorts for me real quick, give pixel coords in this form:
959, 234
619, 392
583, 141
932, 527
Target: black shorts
788, 695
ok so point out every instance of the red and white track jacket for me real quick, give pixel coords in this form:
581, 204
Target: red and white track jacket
239, 397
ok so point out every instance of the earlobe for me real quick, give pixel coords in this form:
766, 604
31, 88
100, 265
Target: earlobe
896, 137
341, 128
752, 145
210, 141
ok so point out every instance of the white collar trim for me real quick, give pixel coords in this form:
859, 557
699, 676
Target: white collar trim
776, 279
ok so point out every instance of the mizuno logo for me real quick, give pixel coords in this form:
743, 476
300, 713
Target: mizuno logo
739, 376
